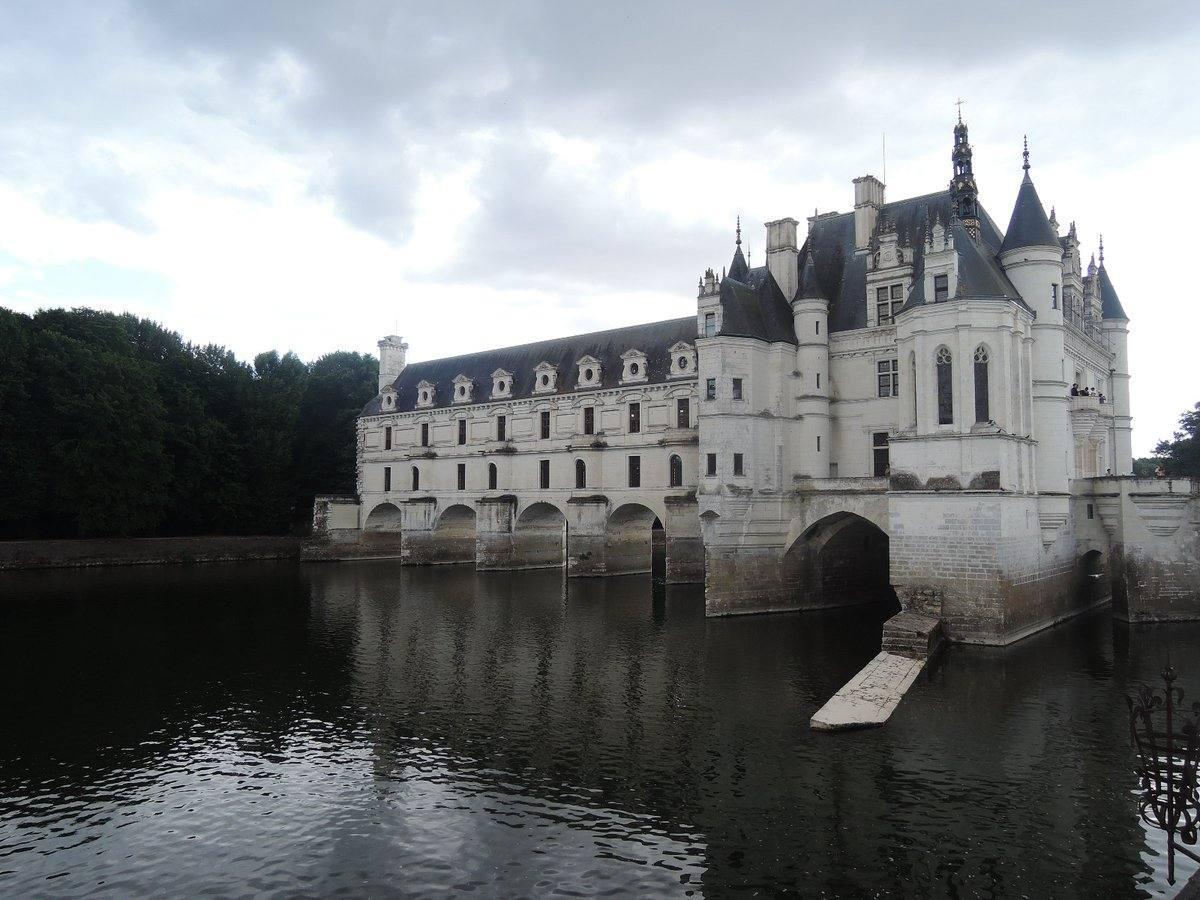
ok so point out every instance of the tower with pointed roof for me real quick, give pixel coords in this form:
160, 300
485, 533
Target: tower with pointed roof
964, 195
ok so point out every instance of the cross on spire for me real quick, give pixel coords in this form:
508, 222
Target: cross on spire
959, 103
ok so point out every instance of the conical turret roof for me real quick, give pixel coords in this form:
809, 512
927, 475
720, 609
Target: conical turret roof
1110, 303
810, 287
1028, 226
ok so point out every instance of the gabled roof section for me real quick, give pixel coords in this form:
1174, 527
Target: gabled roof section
842, 275
1110, 303
756, 308
810, 286
1028, 226
655, 339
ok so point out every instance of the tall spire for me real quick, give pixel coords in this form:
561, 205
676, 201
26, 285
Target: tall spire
964, 195
739, 269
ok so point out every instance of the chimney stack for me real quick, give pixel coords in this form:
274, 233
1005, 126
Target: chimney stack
868, 199
783, 255
392, 350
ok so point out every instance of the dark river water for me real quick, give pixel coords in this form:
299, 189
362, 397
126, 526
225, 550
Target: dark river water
366, 729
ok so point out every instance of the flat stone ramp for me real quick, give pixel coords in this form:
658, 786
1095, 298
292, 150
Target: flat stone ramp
868, 699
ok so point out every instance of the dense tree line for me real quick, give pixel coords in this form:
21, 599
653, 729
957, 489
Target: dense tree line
111, 425
1180, 456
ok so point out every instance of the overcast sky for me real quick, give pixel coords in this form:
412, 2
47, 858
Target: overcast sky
312, 176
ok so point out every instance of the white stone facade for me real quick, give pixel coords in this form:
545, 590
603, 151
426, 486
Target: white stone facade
889, 401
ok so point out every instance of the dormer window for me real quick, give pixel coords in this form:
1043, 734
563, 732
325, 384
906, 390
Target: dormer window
635, 367
888, 300
683, 360
502, 384
941, 288
425, 394
589, 372
545, 378
389, 398
464, 387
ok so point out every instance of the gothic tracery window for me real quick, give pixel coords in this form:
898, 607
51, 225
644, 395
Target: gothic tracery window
981, 385
945, 388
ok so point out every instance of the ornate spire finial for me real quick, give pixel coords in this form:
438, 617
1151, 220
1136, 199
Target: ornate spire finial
1102, 251
738, 242
1025, 154
959, 103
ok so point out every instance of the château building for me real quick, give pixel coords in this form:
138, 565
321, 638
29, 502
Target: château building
903, 395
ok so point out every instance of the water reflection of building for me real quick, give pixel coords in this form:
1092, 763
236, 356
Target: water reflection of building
1008, 772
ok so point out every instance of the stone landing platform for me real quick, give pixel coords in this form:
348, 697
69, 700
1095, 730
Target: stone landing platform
869, 698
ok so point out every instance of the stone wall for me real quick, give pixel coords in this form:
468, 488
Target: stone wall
144, 551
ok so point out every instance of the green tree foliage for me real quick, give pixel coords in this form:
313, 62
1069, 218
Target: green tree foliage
1181, 455
112, 425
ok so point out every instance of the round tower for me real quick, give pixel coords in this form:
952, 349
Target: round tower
810, 316
1032, 258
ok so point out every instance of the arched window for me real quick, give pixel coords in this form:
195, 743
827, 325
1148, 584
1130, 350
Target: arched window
981, 385
580, 473
945, 388
416, 474
675, 471
492, 476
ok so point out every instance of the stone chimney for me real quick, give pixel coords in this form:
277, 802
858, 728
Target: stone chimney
868, 198
392, 350
783, 255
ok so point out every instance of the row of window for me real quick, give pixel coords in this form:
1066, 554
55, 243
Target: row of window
683, 419
674, 474
735, 389
945, 385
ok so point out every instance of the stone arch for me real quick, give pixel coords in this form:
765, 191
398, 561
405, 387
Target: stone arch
1093, 580
539, 537
634, 540
384, 517
454, 534
839, 560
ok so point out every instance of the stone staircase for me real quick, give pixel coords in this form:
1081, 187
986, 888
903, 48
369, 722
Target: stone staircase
913, 635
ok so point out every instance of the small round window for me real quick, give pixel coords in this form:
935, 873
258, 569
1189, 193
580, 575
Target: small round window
500, 387
462, 390
388, 400
424, 396
588, 374
683, 362
545, 380
633, 368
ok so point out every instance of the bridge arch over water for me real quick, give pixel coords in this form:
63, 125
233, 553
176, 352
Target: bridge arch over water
839, 560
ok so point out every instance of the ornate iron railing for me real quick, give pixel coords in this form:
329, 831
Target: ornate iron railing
1168, 752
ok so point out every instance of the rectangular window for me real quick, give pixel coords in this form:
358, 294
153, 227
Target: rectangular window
817, 327
738, 464
501, 428
462, 476
710, 324
683, 413
818, 381
589, 420
416, 478
710, 389
544, 473
387, 478
879, 453
818, 443
545, 424
1091, 511
635, 471
982, 413
387, 438
1054, 296
882, 307
941, 288
635, 418
897, 299
492, 476
424, 434
462, 431
887, 374
737, 389
710, 464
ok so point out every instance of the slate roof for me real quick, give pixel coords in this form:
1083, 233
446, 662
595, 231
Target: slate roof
1110, 303
754, 306
654, 339
842, 276
1029, 226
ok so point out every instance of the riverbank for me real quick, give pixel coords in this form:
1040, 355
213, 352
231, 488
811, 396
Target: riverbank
15, 555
